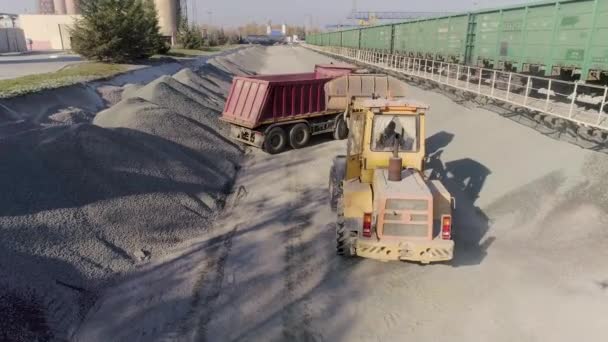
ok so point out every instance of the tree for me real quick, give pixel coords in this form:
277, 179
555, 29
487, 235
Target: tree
190, 36
117, 31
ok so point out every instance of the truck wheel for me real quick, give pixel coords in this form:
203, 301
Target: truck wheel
340, 131
275, 140
344, 242
299, 135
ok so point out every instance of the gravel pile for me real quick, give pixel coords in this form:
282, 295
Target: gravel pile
70, 116
85, 203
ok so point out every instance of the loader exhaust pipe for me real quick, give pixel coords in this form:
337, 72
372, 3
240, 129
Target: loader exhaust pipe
394, 164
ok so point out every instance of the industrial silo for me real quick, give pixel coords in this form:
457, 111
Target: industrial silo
59, 6
167, 17
71, 6
46, 7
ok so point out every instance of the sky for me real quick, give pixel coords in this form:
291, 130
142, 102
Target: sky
296, 12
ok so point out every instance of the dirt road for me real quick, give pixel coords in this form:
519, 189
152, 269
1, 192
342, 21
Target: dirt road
530, 262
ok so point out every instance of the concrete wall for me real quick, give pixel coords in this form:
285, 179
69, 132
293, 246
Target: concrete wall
12, 40
48, 32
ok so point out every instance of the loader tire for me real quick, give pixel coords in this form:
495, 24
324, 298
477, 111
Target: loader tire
344, 241
336, 176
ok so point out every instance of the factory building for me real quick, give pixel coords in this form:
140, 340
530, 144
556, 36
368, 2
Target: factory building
60, 7
50, 29
12, 38
48, 32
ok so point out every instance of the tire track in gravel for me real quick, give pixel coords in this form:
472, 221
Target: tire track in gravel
209, 286
298, 254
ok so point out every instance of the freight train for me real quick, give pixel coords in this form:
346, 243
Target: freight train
566, 40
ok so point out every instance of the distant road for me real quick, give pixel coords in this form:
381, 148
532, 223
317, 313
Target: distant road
12, 66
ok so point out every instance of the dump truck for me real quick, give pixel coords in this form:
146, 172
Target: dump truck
273, 111
386, 208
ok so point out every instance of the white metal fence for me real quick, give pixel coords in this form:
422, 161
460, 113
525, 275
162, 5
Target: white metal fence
581, 103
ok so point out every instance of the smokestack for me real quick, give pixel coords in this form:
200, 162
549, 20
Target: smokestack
59, 6
284, 29
71, 7
268, 29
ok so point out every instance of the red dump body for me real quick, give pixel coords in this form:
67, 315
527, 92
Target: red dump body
258, 100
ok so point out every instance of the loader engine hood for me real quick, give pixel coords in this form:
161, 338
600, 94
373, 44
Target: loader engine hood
405, 208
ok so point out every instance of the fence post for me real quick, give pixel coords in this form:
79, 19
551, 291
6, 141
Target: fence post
425, 67
480, 77
493, 83
573, 99
457, 74
599, 117
509, 86
447, 79
439, 71
548, 94
527, 90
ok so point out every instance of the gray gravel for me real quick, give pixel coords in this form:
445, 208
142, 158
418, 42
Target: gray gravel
84, 204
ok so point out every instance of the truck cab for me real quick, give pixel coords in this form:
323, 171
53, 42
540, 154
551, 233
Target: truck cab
386, 208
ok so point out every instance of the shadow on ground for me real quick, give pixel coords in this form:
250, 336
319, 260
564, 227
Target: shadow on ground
464, 179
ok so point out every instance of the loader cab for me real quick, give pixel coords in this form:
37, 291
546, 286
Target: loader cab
378, 128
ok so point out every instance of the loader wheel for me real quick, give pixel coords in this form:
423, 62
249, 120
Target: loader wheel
341, 130
275, 140
299, 135
336, 176
344, 242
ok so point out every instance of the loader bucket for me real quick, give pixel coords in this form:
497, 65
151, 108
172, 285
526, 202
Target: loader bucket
341, 91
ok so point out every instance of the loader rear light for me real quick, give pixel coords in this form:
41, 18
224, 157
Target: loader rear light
367, 225
446, 227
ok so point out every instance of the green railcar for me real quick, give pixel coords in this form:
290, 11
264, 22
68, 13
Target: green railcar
351, 38
439, 38
325, 39
566, 39
335, 38
563, 39
377, 37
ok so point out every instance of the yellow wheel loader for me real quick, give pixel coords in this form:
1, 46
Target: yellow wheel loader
386, 208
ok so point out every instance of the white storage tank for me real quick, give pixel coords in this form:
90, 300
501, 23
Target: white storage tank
167, 17
59, 6
71, 6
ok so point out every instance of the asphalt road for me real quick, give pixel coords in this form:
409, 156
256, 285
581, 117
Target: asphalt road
12, 66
